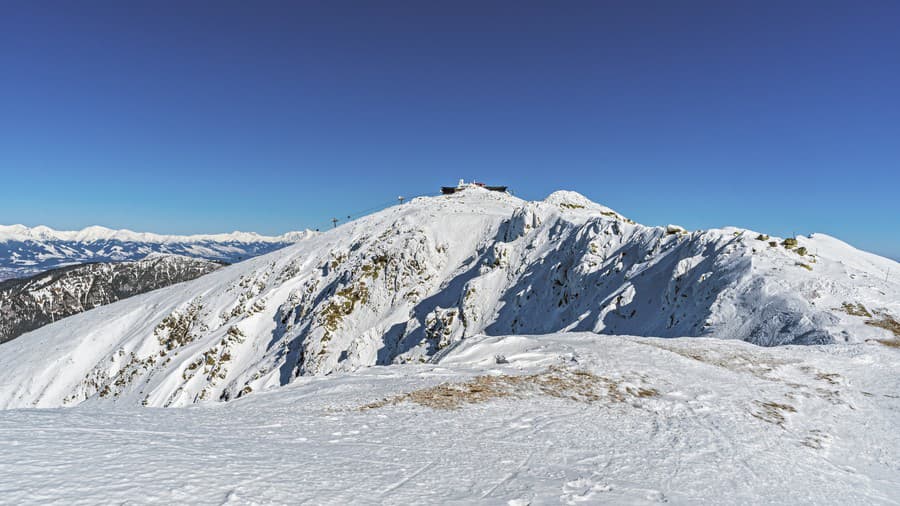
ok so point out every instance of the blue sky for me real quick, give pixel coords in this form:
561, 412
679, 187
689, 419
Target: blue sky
189, 117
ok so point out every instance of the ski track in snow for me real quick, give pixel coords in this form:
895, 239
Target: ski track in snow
309, 443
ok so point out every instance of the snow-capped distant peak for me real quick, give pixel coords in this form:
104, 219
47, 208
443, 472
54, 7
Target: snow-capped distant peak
569, 197
574, 201
26, 251
100, 233
297, 235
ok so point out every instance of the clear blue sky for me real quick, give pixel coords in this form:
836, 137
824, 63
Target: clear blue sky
184, 117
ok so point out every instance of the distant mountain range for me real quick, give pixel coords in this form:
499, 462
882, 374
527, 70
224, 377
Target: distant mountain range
27, 251
30, 303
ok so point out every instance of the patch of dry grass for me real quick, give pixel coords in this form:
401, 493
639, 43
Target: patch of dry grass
759, 364
558, 382
880, 319
773, 412
893, 343
855, 309
764, 365
816, 439
830, 377
886, 322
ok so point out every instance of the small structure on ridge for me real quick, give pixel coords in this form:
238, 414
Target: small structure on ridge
448, 190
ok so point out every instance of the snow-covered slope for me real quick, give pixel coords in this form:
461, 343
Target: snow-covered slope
29, 303
568, 419
26, 251
405, 283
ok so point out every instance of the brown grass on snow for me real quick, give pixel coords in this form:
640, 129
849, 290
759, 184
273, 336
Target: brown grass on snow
558, 382
881, 320
886, 322
773, 412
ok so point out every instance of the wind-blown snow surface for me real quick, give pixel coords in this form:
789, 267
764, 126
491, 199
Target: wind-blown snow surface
684, 421
402, 284
26, 251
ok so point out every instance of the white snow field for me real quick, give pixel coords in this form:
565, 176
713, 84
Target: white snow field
591, 420
631, 372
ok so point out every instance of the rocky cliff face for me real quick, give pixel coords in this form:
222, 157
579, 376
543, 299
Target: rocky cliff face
27, 304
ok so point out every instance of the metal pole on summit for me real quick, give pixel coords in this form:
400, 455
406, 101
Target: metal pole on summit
400, 198
334, 222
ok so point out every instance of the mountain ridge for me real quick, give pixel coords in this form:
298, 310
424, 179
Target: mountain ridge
20, 232
405, 283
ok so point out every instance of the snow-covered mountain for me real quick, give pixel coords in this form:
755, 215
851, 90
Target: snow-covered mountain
404, 284
29, 303
26, 251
